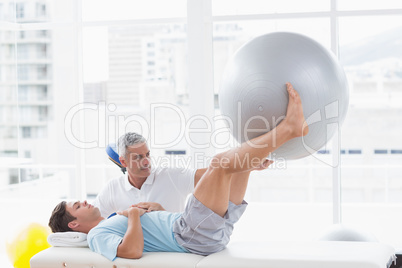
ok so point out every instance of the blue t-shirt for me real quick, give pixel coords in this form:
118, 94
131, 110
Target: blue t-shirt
157, 228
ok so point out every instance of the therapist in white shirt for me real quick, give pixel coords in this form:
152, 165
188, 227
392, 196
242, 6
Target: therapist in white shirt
145, 186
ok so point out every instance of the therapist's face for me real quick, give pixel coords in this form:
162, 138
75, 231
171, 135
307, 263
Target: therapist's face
137, 160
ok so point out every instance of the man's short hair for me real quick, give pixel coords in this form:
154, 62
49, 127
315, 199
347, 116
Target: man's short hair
60, 218
129, 139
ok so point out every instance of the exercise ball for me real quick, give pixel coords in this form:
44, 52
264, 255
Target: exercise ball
253, 92
26, 243
340, 232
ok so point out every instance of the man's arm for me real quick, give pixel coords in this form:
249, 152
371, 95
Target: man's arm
132, 245
198, 175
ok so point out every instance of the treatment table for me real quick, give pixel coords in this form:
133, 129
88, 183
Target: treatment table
313, 254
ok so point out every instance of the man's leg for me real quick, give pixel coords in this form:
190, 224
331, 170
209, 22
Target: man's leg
239, 181
213, 190
238, 187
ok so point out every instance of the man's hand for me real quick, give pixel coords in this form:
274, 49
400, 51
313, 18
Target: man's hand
148, 206
132, 210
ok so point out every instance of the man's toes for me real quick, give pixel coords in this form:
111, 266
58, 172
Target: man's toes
292, 93
290, 89
289, 86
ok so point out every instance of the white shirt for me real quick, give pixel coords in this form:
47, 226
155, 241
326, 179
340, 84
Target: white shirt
166, 186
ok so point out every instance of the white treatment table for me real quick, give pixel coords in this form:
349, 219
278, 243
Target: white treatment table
314, 254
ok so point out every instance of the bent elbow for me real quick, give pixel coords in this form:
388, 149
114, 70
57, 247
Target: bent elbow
130, 254
137, 254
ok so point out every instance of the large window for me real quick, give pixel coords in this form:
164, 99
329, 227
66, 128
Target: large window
75, 75
135, 80
38, 85
371, 165
367, 47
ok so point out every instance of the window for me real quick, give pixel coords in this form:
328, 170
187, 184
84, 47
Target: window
42, 93
27, 154
22, 51
41, 51
23, 72
370, 175
23, 93
41, 132
128, 57
9, 154
375, 97
43, 113
11, 12
42, 33
42, 72
40, 10
26, 132
13, 176
20, 10
27, 113
354, 151
381, 151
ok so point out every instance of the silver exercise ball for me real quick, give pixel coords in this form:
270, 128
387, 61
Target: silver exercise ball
253, 91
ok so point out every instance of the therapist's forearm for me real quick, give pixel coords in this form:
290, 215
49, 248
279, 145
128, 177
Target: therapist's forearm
132, 245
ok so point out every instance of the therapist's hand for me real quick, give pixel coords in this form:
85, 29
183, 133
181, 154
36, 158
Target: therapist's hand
149, 206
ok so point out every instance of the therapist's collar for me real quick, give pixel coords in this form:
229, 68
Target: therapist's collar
149, 180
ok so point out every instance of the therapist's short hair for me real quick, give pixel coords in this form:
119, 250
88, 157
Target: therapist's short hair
129, 139
60, 218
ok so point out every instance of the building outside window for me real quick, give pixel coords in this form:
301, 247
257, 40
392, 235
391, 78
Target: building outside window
42, 72
26, 132
40, 10
20, 10
22, 51
23, 73
23, 93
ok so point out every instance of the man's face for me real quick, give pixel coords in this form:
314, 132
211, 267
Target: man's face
83, 211
137, 160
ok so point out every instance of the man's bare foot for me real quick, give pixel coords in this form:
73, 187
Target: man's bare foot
294, 114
